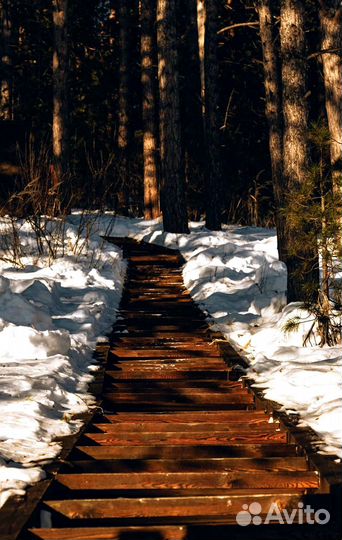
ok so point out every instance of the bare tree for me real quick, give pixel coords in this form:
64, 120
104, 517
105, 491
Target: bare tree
273, 109
60, 93
149, 98
302, 261
173, 179
331, 26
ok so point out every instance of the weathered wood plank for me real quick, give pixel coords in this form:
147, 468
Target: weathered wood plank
250, 465
178, 438
112, 533
186, 452
189, 480
202, 508
171, 352
181, 417
147, 427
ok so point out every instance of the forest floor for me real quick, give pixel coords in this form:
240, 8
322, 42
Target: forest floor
52, 312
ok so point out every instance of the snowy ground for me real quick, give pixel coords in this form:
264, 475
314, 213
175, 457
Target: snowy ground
51, 315
236, 277
52, 312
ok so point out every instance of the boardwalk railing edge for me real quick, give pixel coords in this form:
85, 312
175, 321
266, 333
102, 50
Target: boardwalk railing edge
18, 509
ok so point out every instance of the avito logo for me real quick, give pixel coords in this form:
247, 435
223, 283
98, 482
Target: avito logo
250, 515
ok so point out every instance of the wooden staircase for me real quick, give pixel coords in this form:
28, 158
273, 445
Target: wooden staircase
179, 446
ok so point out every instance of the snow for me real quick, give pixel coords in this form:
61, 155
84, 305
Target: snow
236, 278
52, 312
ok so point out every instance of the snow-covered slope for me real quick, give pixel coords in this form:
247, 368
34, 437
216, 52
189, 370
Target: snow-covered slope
236, 277
50, 319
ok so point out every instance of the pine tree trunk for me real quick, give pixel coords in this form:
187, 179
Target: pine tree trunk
273, 111
6, 89
60, 97
213, 121
331, 25
191, 107
201, 40
124, 103
173, 178
302, 271
149, 114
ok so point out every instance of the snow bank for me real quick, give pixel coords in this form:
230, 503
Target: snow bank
236, 278
51, 315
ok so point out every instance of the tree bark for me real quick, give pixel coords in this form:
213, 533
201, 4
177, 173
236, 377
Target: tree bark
173, 178
191, 101
149, 114
273, 109
331, 26
302, 265
60, 95
201, 41
124, 103
212, 118
6, 89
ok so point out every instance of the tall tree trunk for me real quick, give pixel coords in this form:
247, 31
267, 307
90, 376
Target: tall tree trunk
302, 262
273, 109
124, 102
201, 41
191, 106
60, 96
6, 89
331, 25
173, 178
149, 114
212, 118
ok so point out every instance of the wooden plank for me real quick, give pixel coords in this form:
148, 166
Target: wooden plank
169, 390
251, 465
149, 386
167, 373
185, 452
112, 533
166, 340
207, 399
174, 363
227, 480
185, 427
199, 508
175, 352
150, 259
184, 438
181, 417
17, 510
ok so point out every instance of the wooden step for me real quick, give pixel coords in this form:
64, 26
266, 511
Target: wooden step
250, 465
187, 439
168, 373
150, 259
240, 417
212, 480
186, 452
112, 533
182, 386
185, 427
175, 352
204, 399
186, 509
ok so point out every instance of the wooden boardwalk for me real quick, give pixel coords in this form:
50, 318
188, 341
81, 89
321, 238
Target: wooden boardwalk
179, 446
